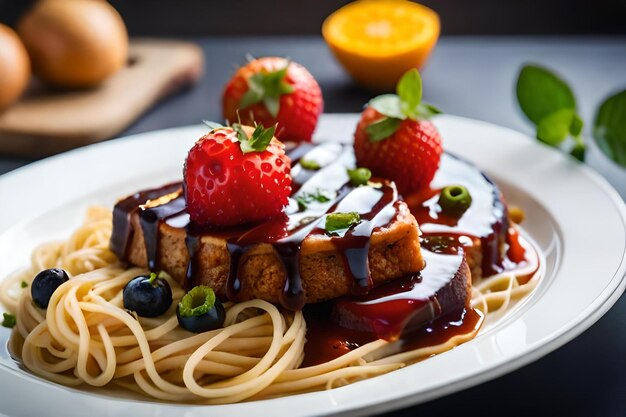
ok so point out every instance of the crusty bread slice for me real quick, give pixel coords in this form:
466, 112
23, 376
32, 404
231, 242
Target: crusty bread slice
394, 252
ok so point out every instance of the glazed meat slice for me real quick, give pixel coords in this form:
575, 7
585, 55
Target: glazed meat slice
442, 288
394, 251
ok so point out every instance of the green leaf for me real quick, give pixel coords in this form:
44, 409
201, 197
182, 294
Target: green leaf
578, 151
388, 105
540, 93
382, 129
9, 320
609, 129
340, 221
409, 90
267, 87
258, 141
307, 198
252, 96
576, 128
554, 128
426, 110
212, 125
272, 104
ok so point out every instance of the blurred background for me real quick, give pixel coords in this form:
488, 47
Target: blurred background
304, 17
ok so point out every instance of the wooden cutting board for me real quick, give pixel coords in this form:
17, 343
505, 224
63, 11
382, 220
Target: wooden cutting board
47, 121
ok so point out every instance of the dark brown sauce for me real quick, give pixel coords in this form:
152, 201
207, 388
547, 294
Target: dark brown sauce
486, 219
409, 308
285, 234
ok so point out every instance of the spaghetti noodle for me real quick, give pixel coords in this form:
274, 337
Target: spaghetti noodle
87, 337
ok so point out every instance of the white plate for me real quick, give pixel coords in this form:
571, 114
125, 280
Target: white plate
577, 219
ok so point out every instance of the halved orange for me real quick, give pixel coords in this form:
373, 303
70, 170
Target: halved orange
377, 41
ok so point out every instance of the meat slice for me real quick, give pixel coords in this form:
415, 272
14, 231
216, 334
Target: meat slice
394, 252
442, 288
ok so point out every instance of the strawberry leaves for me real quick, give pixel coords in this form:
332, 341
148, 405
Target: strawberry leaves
267, 87
258, 141
405, 104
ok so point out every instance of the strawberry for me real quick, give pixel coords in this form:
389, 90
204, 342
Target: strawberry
273, 90
395, 140
235, 175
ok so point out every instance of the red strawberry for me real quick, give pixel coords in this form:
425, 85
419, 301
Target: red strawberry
273, 90
235, 175
394, 140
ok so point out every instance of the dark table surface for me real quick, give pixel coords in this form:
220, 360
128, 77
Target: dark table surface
472, 77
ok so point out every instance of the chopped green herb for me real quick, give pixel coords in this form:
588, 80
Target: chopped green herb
340, 221
23, 284
309, 164
359, 176
9, 320
307, 198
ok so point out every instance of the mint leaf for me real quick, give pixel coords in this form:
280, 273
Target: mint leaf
388, 105
554, 128
426, 111
578, 151
540, 93
609, 129
340, 221
258, 141
382, 129
576, 127
409, 89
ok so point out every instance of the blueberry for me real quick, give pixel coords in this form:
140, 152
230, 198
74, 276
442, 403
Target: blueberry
147, 295
200, 311
45, 283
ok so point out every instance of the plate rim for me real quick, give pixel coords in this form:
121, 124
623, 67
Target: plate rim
578, 324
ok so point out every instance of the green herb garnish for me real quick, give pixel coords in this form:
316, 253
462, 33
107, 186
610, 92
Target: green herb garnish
23, 284
309, 164
341, 221
405, 104
609, 128
198, 301
359, 176
9, 320
258, 141
307, 198
267, 87
550, 104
